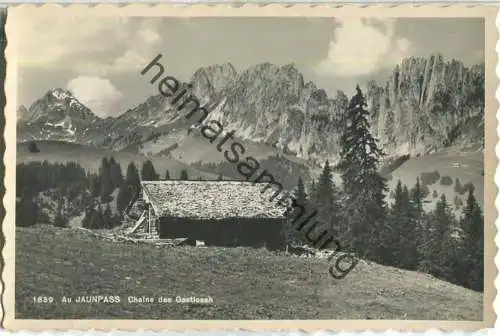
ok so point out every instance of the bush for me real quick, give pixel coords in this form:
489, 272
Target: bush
60, 221
446, 181
43, 216
434, 194
429, 178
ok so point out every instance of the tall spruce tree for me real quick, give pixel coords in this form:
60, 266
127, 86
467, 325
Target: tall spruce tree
471, 246
364, 187
301, 195
312, 191
148, 172
132, 177
327, 201
417, 196
184, 175
439, 256
124, 197
130, 185
116, 172
167, 175
402, 237
106, 179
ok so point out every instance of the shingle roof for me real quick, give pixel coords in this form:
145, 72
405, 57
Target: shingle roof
213, 199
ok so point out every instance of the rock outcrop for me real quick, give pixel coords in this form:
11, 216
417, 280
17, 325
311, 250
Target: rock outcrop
428, 104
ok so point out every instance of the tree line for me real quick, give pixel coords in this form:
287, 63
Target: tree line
70, 190
395, 231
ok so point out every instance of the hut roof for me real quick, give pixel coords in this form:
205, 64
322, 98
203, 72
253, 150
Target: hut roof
213, 199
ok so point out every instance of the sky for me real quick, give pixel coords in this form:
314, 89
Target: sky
99, 59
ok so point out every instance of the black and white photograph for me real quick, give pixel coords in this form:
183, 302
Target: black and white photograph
250, 168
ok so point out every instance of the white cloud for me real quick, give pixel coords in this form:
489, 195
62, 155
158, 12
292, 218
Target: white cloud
96, 93
362, 47
94, 46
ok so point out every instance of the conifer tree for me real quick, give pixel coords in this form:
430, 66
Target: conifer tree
326, 201
27, 211
124, 197
312, 192
167, 175
148, 172
116, 173
132, 177
60, 219
301, 195
105, 178
417, 214
396, 216
402, 230
439, 256
130, 185
364, 187
184, 175
104, 165
471, 246
95, 186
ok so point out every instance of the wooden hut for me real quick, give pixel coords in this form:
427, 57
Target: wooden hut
222, 213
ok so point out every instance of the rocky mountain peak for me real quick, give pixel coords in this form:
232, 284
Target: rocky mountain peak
426, 104
58, 115
212, 79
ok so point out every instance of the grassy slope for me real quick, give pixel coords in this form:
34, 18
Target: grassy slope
469, 171
244, 283
90, 158
194, 147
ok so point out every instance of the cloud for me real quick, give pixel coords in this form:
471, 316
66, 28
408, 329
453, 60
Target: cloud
96, 93
361, 47
97, 46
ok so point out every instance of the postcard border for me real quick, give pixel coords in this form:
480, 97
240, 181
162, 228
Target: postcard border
489, 12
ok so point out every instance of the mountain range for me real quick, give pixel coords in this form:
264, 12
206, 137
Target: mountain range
426, 105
